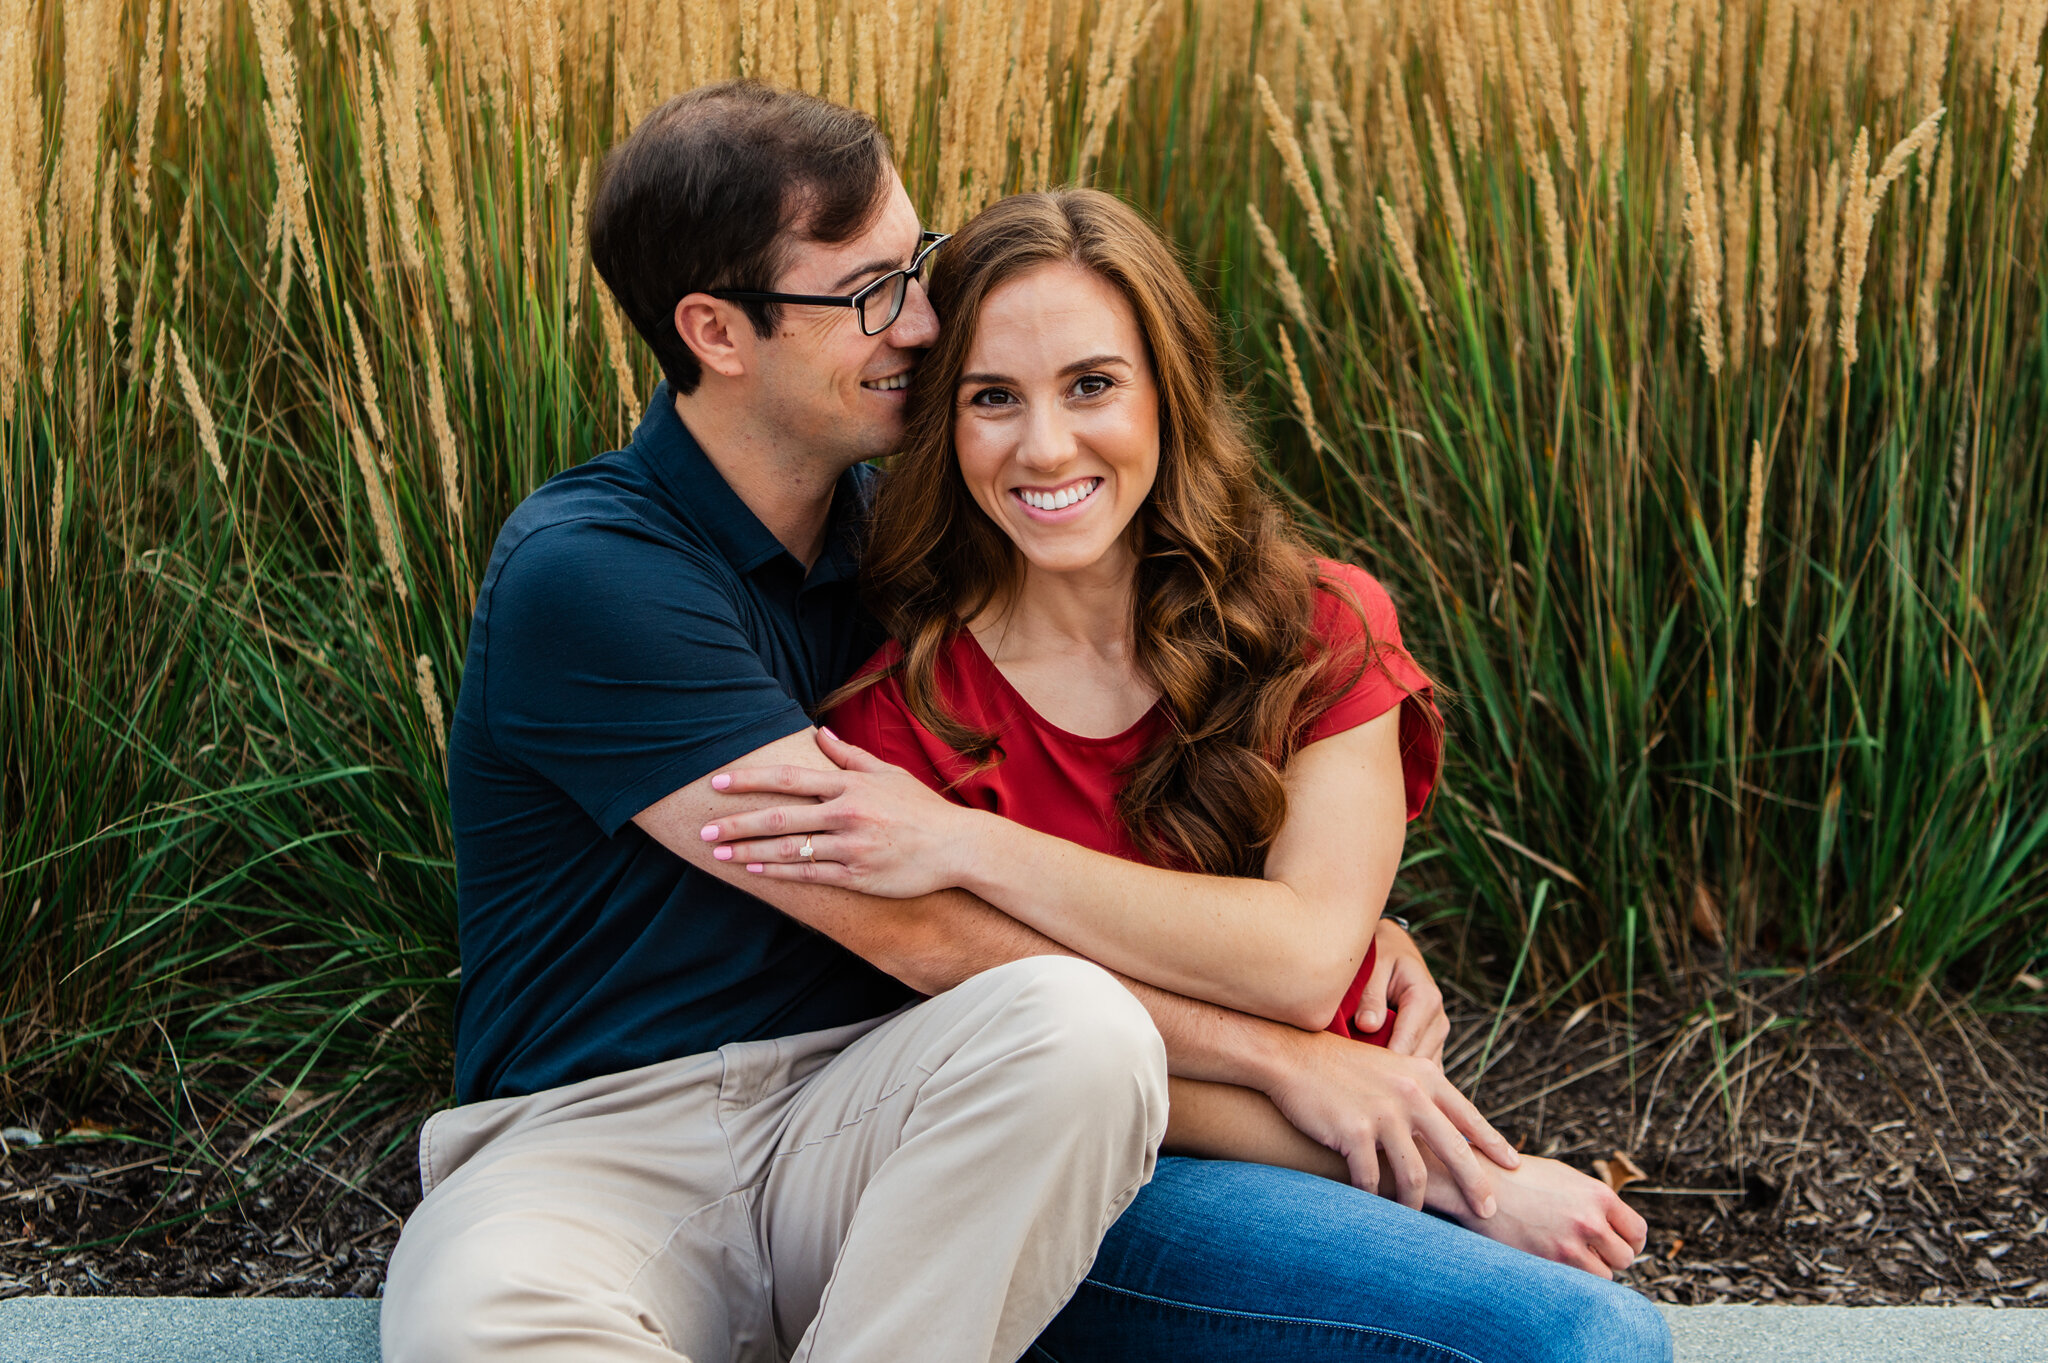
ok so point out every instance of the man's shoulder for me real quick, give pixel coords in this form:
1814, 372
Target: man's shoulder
600, 521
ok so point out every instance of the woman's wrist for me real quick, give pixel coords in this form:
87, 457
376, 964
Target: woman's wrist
974, 843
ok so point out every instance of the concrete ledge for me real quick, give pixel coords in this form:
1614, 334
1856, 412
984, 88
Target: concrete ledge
241, 1330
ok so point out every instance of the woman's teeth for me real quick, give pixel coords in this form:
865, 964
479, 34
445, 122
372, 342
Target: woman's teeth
890, 384
1065, 497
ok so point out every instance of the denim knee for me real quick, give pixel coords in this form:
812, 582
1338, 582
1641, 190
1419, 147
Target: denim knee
1603, 1322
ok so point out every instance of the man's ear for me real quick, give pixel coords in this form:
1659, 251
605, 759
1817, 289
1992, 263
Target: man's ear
717, 332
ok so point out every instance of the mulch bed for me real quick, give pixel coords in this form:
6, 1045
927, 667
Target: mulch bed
1847, 1156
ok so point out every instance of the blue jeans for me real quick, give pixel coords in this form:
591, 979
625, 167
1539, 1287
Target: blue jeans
1223, 1261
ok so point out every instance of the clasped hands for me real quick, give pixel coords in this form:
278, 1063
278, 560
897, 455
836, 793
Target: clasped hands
875, 828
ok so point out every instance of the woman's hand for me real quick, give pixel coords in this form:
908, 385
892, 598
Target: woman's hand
1362, 1102
1401, 978
1555, 1212
875, 827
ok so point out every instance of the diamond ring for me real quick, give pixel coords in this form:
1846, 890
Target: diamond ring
805, 850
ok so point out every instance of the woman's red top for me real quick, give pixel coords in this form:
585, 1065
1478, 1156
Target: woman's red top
1066, 785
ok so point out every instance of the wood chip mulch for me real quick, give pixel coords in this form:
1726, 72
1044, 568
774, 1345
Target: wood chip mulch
1840, 1155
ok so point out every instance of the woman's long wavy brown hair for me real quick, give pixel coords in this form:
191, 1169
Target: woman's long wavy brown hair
1225, 598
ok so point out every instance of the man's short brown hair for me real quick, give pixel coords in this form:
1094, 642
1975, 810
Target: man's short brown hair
711, 189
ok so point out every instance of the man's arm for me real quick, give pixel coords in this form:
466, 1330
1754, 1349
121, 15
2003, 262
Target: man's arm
1351, 1098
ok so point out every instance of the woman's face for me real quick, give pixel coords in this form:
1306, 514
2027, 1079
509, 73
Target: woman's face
1056, 418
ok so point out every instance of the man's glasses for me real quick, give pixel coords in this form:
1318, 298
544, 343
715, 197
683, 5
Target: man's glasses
879, 303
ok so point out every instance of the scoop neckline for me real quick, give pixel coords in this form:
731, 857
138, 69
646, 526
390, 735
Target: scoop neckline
1016, 697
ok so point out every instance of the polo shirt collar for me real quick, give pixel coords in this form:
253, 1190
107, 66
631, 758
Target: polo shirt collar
699, 492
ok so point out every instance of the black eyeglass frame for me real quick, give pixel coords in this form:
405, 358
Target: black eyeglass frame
927, 242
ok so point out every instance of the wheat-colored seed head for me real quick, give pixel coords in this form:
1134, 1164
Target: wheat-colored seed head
1326, 166
1857, 211
1767, 247
1302, 406
437, 418
1927, 309
202, 415
380, 514
1706, 268
47, 265
1776, 66
110, 288
56, 517
1735, 260
156, 378
152, 75
1930, 54
1447, 185
430, 702
1542, 44
137, 317
2026, 110
1404, 255
366, 378
1557, 252
1823, 204
281, 123
579, 246
1280, 131
615, 352
1461, 81
198, 22
451, 212
1284, 281
1753, 528
370, 150
1397, 138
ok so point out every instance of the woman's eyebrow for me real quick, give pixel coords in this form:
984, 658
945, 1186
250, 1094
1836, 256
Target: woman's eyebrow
1092, 362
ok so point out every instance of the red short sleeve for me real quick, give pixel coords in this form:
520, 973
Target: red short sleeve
878, 719
1391, 677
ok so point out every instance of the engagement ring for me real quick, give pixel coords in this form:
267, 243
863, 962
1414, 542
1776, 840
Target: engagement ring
805, 850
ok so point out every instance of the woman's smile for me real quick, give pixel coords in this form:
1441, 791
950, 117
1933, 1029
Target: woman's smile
1055, 505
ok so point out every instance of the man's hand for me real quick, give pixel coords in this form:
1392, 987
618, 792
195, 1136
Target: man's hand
1555, 1212
1401, 978
1361, 1101
874, 827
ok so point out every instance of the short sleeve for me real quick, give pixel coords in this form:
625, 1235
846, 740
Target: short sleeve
877, 719
1390, 677
620, 670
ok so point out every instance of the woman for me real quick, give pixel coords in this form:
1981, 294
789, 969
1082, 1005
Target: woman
1107, 642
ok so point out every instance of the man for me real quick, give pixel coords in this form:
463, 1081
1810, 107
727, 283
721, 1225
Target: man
698, 1123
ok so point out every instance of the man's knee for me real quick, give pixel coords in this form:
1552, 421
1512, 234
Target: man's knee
498, 1288
1079, 1032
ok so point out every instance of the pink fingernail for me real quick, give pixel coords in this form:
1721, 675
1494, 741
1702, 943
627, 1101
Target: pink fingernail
722, 853
755, 866
709, 832
828, 733
720, 781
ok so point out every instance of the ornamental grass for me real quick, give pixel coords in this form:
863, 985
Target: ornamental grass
1680, 367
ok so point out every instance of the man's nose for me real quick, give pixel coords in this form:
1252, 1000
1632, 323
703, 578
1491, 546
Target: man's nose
917, 326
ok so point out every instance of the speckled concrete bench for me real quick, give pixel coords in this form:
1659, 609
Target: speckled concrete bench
218, 1330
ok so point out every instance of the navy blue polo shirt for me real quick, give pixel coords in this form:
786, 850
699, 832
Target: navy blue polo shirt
638, 628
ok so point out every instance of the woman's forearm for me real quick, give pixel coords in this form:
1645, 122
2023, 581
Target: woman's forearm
1258, 946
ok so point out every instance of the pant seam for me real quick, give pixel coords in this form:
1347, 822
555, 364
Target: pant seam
1117, 1204
855, 1120
1444, 1349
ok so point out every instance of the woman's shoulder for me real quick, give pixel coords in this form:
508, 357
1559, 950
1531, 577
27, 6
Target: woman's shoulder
1349, 591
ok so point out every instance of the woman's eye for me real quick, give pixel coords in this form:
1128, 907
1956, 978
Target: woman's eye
992, 397
1091, 385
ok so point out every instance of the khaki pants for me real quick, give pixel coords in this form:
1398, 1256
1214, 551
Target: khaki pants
930, 1186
